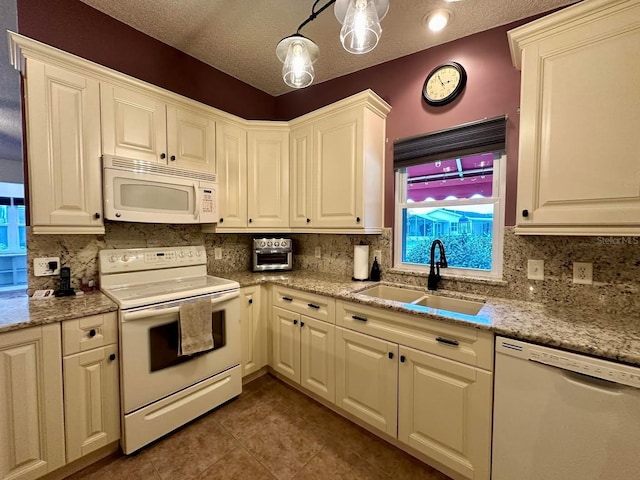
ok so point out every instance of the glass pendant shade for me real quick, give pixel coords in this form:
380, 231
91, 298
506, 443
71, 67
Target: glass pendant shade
298, 54
361, 27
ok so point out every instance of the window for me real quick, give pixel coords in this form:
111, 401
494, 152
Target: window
455, 195
13, 246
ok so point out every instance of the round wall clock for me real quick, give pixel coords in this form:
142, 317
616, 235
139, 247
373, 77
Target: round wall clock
444, 83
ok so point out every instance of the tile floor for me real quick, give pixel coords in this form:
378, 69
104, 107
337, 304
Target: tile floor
270, 432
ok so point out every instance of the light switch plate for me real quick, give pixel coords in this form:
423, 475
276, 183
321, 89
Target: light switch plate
318, 252
535, 269
217, 253
377, 254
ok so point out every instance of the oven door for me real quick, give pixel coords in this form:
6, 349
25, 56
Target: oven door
151, 367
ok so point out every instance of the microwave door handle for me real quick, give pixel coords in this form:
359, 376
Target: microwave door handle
196, 207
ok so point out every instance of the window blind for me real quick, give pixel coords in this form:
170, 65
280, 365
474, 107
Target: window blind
488, 135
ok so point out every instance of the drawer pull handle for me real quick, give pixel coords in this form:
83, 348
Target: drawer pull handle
360, 319
112, 357
311, 305
92, 332
447, 341
402, 358
295, 322
287, 299
390, 354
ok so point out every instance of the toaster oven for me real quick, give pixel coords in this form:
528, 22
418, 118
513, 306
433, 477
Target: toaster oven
272, 254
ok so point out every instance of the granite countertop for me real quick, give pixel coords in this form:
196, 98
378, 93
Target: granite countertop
577, 329
24, 312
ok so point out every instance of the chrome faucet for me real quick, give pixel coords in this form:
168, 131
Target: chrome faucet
434, 273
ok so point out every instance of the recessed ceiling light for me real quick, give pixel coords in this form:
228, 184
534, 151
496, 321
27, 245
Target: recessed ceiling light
438, 19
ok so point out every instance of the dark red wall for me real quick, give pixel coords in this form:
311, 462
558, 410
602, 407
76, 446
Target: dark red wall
493, 88
84, 31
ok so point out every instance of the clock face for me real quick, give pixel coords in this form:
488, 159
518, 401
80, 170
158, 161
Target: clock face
444, 83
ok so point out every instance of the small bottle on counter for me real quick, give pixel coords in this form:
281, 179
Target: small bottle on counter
375, 270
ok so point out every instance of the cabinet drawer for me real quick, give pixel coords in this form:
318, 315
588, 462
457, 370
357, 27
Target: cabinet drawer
82, 334
466, 345
316, 306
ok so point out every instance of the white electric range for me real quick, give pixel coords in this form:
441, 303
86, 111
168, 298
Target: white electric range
161, 390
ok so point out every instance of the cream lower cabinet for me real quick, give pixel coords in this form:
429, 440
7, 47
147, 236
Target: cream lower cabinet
427, 383
91, 384
141, 125
578, 168
254, 330
444, 411
63, 145
366, 379
31, 411
302, 346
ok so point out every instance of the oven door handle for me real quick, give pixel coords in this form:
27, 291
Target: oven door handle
171, 307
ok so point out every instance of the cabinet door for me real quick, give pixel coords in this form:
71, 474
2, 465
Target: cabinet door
285, 341
366, 379
317, 355
338, 170
268, 179
231, 155
445, 411
134, 125
63, 124
301, 178
31, 413
91, 400
191, 139
254, 331
579, 144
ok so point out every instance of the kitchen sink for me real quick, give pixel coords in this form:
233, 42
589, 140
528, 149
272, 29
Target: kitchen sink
458, 305
387, 292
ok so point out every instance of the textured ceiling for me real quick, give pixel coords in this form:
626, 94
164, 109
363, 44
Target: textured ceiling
239, 37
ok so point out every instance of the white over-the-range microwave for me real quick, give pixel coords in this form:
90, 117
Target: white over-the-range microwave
138, 191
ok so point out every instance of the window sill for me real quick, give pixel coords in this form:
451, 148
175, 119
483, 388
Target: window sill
496, 282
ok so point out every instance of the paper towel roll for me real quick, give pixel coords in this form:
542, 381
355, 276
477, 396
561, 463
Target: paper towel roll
361, 262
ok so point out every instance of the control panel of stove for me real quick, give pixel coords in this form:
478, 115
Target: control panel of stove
123, 260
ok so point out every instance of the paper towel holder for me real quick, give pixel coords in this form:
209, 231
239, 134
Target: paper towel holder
353, 278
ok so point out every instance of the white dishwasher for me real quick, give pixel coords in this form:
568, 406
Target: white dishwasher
563, 416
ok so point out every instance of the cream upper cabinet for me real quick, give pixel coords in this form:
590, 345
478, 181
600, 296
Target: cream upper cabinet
579, 157
63, 147
338, 166
253, 326
268, 177
444, 411
231, 153
31, 412
91, 383
146, 127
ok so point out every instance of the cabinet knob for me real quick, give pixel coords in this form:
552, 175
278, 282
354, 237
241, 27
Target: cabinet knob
357, 219
525, 213
96, 215
308, 220
250, 220
220, 220
295, 322
302, 324
402, 358
112, 357
92, 332
173, 158
163, 156
250, 301
390, 354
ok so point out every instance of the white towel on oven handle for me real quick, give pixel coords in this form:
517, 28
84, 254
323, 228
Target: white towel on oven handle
195, 327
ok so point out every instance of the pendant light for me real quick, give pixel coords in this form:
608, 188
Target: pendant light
360, 20
360, 34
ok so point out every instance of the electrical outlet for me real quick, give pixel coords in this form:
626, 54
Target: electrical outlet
318, 252
583, 273
41, 266
378, 254
535, 269
217, 253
